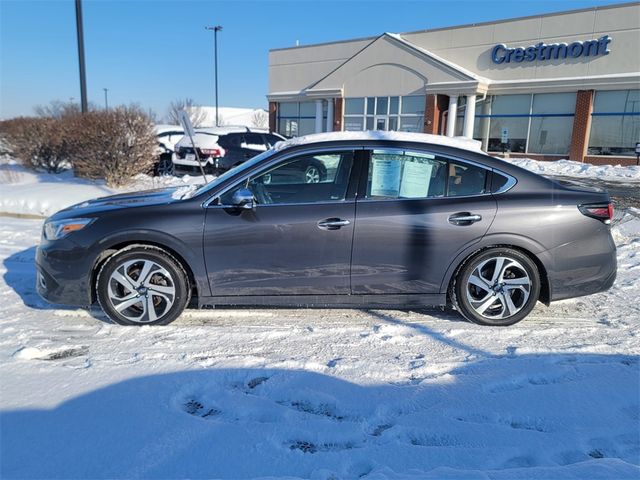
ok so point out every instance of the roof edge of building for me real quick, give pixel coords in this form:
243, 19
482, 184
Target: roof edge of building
467, 25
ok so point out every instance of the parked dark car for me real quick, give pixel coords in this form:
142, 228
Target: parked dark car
398, 220
221, 148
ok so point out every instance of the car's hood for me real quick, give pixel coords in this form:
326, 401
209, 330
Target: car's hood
159, 196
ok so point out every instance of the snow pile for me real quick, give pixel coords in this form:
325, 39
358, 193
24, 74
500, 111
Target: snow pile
457, 142
23, 191
570, 168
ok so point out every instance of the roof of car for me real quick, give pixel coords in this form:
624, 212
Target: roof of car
225, 130
456, 142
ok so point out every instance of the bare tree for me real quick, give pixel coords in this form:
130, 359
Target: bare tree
260, 119
196, 114
59, 109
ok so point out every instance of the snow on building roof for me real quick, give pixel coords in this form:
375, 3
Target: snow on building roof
457, 142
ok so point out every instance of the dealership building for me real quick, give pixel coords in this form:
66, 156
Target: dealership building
562, 85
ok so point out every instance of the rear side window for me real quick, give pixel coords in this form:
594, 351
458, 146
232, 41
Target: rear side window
272, 140
253, 141
231, 140
407, 175
465, 179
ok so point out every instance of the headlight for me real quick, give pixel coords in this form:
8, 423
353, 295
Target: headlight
54, 230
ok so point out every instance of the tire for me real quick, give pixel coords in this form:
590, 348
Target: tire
505, 275
156, 299
164, 167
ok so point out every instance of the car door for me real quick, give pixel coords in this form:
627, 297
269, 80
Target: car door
296, 240
415, 212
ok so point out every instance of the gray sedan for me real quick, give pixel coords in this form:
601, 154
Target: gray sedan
395, 221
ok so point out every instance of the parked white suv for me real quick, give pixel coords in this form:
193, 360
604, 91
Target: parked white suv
221, 148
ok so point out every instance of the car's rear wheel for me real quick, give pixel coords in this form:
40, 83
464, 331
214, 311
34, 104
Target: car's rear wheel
165, 166
142, 285
499, 287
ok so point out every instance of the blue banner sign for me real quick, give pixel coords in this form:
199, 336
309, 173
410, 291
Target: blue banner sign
554, 51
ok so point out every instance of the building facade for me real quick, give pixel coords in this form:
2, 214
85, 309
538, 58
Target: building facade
563, 85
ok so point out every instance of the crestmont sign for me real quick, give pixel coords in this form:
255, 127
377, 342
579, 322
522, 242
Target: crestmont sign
553, 51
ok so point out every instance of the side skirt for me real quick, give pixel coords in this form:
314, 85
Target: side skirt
328, 301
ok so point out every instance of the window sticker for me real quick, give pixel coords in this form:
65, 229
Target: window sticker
385, 178
415, 179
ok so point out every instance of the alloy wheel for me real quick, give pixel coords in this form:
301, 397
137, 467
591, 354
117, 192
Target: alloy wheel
141, 290
498, 288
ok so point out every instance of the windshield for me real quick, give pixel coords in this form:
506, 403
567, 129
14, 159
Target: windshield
230, 173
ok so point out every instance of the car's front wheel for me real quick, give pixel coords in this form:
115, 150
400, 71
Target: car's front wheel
142, 285
499, 287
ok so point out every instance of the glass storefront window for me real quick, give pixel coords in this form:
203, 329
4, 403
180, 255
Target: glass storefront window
382, 105
394, 102
413, 104
353, 124
615, 123
551, 123
381, 113
298, 118
354, 106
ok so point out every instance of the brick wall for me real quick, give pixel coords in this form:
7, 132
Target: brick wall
581, 125
434, 106
337, 114
273, 116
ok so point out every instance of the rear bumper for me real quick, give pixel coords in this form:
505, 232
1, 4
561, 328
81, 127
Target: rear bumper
582, 267
209, 161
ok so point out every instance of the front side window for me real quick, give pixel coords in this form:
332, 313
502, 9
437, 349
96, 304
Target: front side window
414, 175
304, 179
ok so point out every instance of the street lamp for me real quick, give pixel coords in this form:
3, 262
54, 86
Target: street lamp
106, 102
83, 75
215, 29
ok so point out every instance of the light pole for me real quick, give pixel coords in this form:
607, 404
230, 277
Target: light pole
215, 29
106, 102
83, 75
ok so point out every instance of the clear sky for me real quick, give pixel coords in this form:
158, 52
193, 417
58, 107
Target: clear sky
154, 51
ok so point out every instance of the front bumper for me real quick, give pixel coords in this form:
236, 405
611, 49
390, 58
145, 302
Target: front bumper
64, 273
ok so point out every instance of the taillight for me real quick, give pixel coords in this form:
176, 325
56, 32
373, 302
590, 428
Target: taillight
601, 211
212, 152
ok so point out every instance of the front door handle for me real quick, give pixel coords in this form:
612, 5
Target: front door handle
464, 218
332, 223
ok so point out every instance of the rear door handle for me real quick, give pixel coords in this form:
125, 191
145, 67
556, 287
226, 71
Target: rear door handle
464, 218
332, 223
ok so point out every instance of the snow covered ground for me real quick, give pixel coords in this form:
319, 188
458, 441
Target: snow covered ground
323, 394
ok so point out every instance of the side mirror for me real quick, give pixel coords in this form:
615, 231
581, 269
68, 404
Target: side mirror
243, 199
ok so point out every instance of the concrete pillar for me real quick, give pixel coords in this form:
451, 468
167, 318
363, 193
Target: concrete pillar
469, 116
451, 116
581, 125
329, 115
319, 116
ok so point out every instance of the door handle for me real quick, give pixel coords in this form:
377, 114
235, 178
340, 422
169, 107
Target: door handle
464, 218
332, 223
